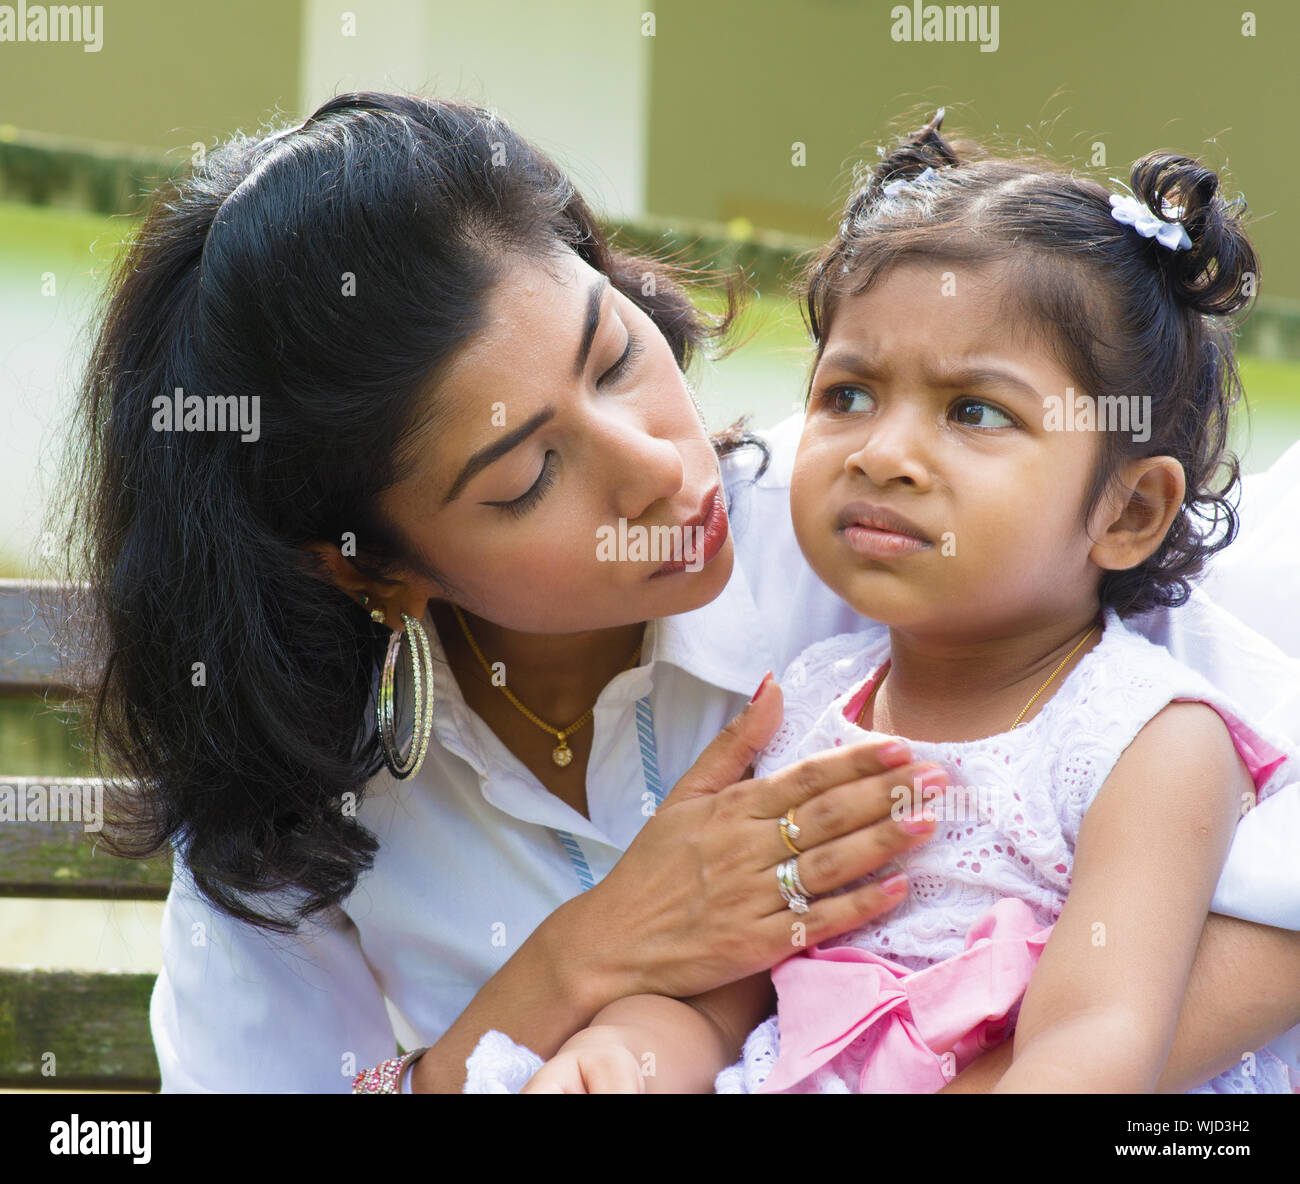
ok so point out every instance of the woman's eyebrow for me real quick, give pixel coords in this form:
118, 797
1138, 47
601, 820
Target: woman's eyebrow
494, 451
594, 297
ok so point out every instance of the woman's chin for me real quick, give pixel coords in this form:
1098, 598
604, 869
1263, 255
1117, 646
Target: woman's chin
686, 590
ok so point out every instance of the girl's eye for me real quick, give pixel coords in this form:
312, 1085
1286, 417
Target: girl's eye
837, 397
969, 413
628, 356
521, 505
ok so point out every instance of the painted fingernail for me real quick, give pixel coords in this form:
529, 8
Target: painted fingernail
896, 885
918, 824
761, 685
932, 778
894, 753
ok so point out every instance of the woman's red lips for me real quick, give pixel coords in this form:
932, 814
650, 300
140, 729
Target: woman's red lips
712, 521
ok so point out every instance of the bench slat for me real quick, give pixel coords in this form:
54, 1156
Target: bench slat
96, 1023
28, 657
59, 860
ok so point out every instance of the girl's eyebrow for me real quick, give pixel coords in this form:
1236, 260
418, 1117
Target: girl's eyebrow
986, 376
939, 376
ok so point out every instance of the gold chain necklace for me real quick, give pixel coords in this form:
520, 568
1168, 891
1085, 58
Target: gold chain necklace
561, 754
1026, 707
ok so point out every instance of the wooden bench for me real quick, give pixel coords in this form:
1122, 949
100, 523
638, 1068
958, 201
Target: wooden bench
95, 1023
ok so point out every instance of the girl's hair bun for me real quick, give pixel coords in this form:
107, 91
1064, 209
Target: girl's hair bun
924, 149
1219, 275
912, 156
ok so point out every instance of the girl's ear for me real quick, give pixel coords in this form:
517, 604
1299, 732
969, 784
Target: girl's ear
1134, 517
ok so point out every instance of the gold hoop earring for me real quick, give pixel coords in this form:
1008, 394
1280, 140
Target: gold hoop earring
422, 713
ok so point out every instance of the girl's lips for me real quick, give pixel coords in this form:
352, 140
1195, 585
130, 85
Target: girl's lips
715, 534
881, 544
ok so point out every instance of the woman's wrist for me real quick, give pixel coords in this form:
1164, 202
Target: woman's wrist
583, 966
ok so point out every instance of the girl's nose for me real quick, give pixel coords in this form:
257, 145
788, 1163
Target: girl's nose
890, 450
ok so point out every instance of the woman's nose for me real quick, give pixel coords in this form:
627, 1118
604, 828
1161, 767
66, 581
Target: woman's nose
642, 469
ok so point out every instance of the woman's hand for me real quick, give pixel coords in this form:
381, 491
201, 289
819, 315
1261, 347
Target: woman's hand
694, 902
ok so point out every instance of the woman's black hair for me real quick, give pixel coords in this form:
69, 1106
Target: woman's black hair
327, 271
1128, 317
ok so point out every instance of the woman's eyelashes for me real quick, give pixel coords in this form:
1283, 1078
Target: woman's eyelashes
630, 353
832, 398
545, 479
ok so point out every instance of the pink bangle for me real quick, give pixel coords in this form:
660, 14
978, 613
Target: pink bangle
386, 1077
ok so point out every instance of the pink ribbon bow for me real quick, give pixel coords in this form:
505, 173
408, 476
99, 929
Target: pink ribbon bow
927, 1025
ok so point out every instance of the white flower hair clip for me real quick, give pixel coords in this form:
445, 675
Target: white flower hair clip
894, 188
1132, 212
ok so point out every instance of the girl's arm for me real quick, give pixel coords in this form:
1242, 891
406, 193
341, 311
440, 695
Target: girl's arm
1101, 1009
1243, 992
653, 1044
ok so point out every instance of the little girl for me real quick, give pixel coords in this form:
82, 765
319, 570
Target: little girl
1018, 412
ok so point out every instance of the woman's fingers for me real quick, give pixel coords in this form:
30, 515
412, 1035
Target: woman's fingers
832, 915
834, 864
887, 798
797, 784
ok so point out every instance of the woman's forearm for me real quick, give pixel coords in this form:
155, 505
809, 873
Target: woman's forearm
544, 994
1243, 991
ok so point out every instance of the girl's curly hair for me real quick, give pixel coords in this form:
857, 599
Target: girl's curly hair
1125, 316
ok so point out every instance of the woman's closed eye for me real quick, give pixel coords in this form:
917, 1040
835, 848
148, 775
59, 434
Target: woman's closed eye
629, 355
525, 502
546, 478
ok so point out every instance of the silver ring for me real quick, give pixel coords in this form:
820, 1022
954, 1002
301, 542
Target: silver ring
787, 880
798, 883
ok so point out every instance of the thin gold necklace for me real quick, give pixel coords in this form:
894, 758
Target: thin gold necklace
1026, 707
561, 754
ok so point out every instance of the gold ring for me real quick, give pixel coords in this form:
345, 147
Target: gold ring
789, 831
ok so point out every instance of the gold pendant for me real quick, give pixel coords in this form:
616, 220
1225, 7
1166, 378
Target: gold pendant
562, 754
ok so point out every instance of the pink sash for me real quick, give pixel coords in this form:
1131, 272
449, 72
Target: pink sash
927, 1025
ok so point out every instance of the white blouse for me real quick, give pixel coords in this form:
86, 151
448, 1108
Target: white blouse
475, 852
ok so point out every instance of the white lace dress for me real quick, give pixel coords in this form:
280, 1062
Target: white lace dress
1010, 818
1007, 833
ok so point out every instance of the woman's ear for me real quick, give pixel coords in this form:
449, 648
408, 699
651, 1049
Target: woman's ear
1136, 513
392, 598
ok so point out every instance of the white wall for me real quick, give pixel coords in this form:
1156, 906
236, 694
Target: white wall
570, 75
